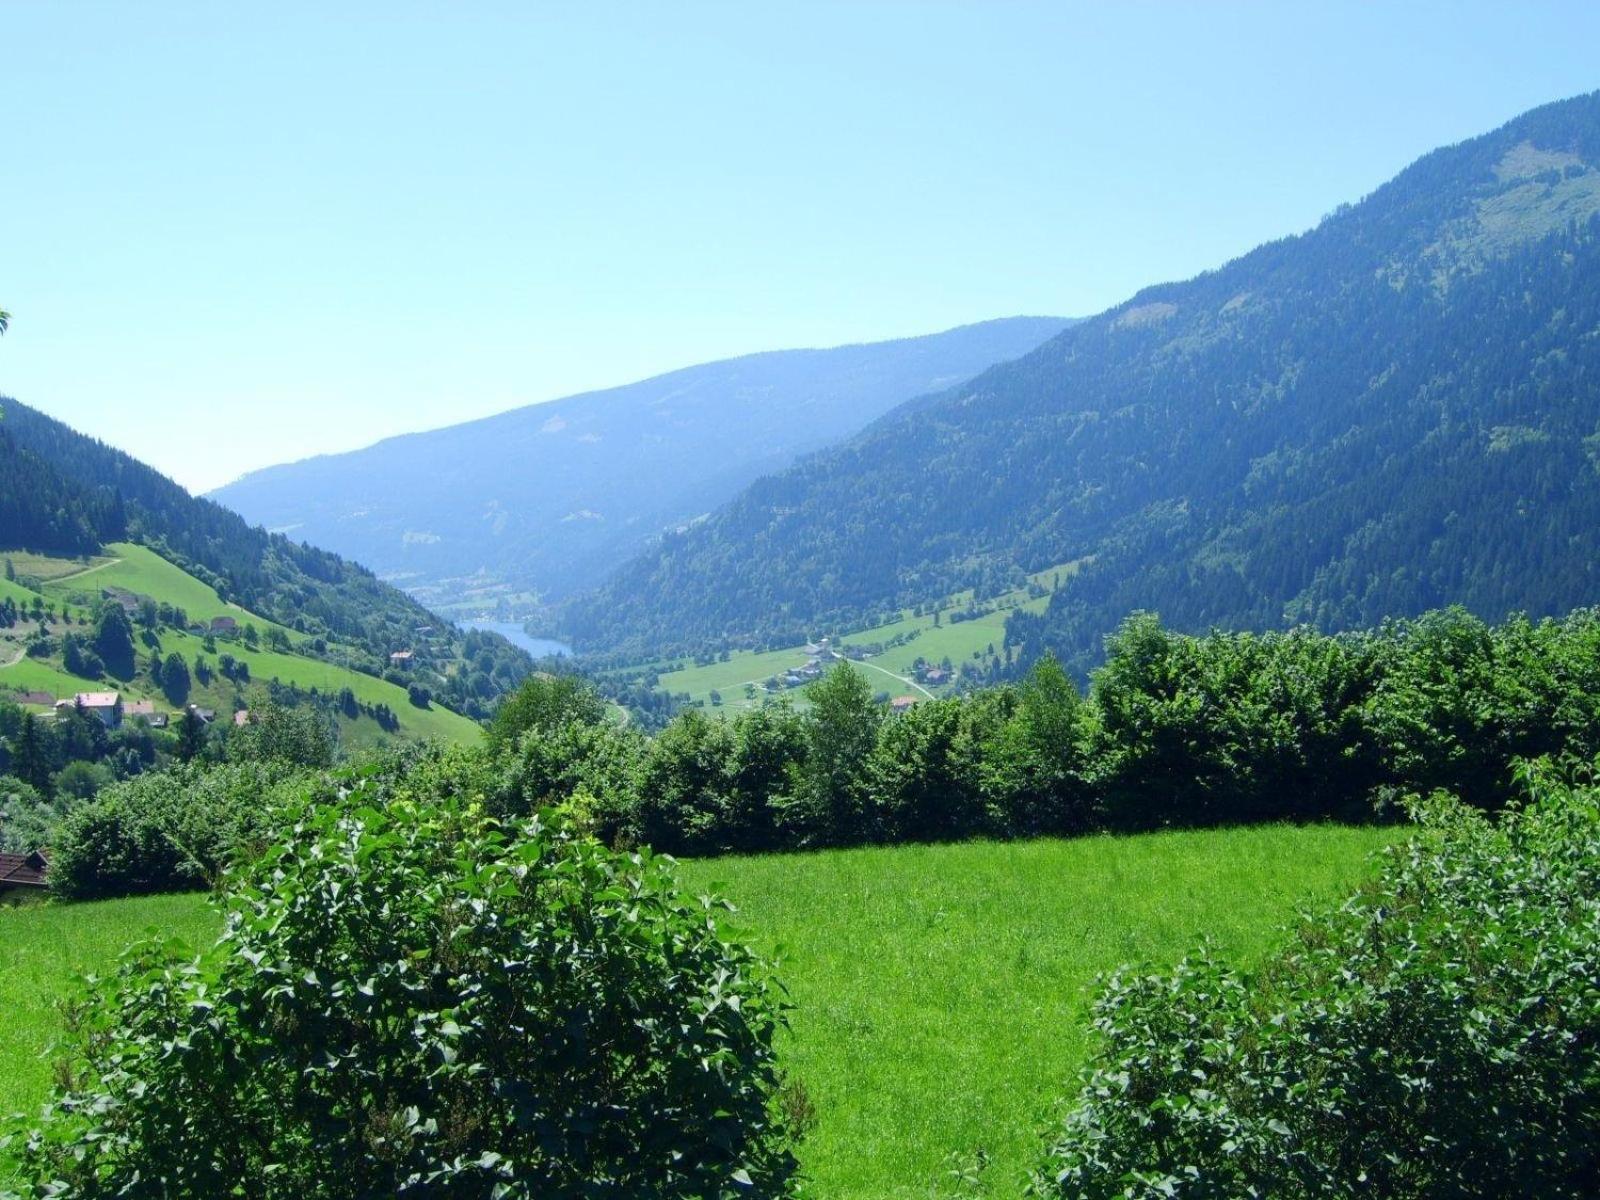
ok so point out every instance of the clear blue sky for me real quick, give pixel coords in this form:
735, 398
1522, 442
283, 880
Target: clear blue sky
237, 236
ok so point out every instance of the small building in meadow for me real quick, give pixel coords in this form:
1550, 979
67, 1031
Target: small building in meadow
900, 703
401, 658
23, 872
224, 625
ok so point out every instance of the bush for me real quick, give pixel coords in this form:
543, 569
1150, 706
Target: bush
27, 820
412, 999
167, 831
1438, 1036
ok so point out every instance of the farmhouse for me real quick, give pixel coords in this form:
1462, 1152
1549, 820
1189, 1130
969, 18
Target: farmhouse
20, 872
937, 676
105, 705
401, 658
900, 703
224, 625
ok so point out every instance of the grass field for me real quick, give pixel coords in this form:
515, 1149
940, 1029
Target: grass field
144, 572
890, 671
941, 992
46, 569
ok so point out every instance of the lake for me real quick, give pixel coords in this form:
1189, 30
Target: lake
518, 636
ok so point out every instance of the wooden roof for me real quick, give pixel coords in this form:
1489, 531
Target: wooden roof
23, 870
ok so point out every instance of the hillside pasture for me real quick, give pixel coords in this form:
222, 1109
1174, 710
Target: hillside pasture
889, 671
941, 992
143, 572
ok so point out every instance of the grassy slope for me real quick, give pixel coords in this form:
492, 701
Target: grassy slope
45, 947
46, 568
146, 573
941, 991
956, 641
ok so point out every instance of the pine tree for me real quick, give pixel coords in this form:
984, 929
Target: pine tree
30, 763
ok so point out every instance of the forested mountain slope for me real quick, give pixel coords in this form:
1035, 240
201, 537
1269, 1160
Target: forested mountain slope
551, 497
64, 493
1397, 410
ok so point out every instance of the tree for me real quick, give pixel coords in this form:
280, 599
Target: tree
544, 703
831, 801
275, 732
113, 640
191, 735
175, 682
30, 761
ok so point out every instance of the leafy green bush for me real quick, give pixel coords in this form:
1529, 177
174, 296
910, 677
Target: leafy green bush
1437, 1036
27, 820
166, 831
413, 999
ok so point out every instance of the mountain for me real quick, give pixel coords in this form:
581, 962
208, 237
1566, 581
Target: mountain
68, 495
1396, 410
547, 499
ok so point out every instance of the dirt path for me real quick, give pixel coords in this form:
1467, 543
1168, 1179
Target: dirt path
901, 678
110, 562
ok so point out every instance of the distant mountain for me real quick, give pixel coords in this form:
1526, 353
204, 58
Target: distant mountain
64, 493
1397, 410
551, 497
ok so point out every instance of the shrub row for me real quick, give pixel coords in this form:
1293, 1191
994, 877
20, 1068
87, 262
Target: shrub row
1175, 731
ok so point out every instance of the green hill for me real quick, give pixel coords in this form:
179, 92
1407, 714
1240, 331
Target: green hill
65, 498
138, 572
940, 992
1393, 412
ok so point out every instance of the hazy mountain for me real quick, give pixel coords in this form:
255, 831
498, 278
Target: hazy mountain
1396, 410
551, 497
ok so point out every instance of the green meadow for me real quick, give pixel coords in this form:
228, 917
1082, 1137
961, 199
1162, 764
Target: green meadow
890, 671
941, 992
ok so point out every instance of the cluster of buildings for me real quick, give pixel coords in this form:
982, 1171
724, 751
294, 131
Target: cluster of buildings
112, 710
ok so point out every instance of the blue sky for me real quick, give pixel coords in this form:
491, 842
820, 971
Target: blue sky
236, 236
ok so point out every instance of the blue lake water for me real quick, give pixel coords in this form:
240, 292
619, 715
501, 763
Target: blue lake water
518, 636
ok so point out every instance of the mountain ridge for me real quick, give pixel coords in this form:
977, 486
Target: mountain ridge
547, 497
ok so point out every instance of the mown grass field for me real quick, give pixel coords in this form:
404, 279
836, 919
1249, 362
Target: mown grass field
145, 573
941, 992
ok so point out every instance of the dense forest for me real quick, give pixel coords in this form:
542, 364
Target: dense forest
66, 494
1394, 411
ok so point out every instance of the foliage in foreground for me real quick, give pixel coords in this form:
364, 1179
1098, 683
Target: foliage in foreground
1438, 1036
412, 999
